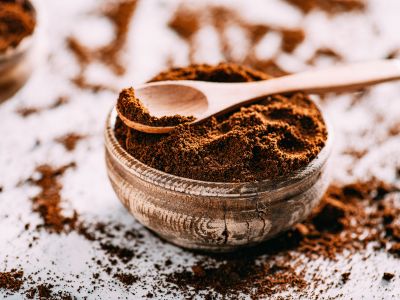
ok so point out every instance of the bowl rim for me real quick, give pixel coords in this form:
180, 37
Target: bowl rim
228, 189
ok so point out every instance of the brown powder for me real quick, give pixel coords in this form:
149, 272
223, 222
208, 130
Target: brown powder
12, 280
187, 21
387, 276
26, 111
239, 276
291, 38
268, 66
330, 6
126, 279
325, 53
266, 140
45, 291
17, 21
120, 15
134, 110
70, 140
48, 201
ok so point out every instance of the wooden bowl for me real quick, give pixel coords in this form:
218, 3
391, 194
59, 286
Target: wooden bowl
212, 216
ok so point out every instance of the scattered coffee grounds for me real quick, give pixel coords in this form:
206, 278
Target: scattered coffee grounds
394, 130
387, 276
236, 277
12, 280
27, 111
120, 15
345, 277
186, 24
330, 6
268, 66
324, 53
45, 291
393, 54
17, 21
48, 201
291, 38
70, 140
126, 279
269, 139
187, 21
131, 108
349, 218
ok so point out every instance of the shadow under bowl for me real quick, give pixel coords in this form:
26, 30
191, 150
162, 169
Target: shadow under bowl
213, 216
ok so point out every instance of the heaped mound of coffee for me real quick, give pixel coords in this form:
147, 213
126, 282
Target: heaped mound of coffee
17, 21
132, 108
271, 138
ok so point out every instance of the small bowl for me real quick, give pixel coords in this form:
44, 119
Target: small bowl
16, 64
213, 216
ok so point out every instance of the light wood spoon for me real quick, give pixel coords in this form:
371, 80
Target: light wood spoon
204, 99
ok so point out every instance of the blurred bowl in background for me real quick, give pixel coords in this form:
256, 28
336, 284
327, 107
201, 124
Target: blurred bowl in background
17, 64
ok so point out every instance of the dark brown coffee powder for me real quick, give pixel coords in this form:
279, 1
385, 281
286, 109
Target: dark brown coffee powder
272, 138
134, 110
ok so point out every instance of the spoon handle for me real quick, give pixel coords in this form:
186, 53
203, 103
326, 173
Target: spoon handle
334, 79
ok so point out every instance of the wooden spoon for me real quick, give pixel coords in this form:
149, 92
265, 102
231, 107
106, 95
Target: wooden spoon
204, 99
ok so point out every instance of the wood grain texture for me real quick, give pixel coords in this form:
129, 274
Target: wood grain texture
210, 216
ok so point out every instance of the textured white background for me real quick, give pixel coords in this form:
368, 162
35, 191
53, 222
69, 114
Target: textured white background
86, 188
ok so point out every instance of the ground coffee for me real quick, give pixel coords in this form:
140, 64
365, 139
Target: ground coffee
134, 110
272, 138
17, 21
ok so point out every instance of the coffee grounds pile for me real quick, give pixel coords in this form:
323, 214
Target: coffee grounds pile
12, 280
17, 21
132, 108
272, 138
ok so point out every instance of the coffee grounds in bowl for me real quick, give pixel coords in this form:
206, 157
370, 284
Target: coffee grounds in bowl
269, 139
17, 21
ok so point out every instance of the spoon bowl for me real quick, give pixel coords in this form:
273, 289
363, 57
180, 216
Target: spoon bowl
162, 100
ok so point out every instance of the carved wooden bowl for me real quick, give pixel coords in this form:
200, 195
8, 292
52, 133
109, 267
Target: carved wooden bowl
213, 216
